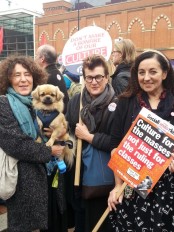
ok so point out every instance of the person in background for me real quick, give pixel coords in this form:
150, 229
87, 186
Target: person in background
46, 57
72, 82
28, 207
74, 78
98, 98
123, 55
151, 86
111, 69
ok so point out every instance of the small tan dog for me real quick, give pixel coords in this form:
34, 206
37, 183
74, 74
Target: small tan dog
48, 103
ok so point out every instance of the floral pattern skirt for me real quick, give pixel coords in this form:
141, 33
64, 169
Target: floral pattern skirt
153, 214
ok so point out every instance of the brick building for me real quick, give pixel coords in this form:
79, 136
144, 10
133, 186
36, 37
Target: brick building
150, 24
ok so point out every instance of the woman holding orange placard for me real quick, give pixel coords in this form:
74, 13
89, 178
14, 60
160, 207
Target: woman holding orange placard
151, 86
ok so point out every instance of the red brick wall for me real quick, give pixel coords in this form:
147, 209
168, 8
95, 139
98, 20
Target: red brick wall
150, 24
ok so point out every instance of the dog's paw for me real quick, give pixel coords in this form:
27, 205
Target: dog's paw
49, 143
38, 140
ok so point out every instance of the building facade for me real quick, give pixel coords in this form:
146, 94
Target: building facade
150, 24
18, 32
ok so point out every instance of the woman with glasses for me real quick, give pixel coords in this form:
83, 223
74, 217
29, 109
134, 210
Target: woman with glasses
28, 207
123, 55
98, 106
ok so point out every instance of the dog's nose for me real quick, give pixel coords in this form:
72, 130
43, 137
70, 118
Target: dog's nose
47, 101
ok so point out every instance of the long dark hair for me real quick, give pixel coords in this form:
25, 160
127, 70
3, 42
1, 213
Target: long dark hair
134, 87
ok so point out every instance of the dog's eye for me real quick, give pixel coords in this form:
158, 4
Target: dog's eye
52, 95
42, 94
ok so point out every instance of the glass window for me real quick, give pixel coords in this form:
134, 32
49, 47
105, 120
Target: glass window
30, 53
21, 39
30, 45
30, 37
21, 46
18, 35
11, 47
10, 40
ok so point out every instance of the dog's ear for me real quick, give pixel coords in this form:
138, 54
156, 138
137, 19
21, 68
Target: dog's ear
59, 94
35, 93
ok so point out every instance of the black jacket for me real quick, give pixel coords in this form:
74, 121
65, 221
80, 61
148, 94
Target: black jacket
27, 208
123, 118
101, 139
120, 78
56, 78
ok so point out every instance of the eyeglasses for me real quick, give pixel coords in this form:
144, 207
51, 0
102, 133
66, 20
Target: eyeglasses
113, 52
98, 78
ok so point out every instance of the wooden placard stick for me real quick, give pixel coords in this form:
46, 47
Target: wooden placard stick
105, 214
79, 144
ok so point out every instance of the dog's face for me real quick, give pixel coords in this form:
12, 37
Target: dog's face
47, 97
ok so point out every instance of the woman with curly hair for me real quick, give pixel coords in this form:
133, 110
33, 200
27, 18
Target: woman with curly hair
27, 208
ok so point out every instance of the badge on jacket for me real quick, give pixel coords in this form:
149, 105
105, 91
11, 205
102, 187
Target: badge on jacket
58, 77
112, 106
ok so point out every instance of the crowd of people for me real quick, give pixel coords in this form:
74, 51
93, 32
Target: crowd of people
99, 116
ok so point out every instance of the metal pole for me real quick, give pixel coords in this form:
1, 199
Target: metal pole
78, 17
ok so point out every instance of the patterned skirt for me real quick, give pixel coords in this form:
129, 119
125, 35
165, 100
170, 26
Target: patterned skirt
153, 214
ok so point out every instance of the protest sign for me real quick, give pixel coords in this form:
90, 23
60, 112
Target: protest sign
144, 153
59, 59
89, 40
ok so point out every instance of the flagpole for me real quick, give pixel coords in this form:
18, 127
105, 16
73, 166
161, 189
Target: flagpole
1, 39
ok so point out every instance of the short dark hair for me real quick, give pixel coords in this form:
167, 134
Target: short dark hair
94, 61
7, 66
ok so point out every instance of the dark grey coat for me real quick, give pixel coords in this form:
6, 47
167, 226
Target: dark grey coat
120, 78
27, 208
56, 78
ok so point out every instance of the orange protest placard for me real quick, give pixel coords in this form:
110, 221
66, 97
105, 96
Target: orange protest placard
144, 153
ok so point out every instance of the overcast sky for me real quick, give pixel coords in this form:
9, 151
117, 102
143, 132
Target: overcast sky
36, 5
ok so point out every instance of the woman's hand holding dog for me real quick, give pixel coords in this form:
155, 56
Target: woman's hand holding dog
49, 131
83, 133
56, 150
